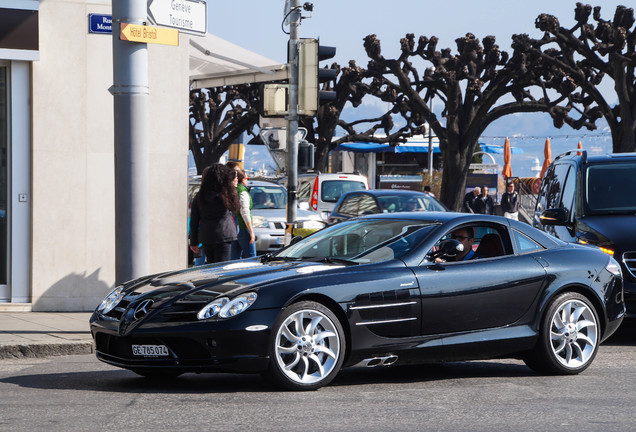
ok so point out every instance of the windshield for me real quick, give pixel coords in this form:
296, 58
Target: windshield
268, 197
400, 203
333, 189
360, 241
610, 188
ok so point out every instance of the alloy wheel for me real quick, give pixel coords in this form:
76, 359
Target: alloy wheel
307, 346
573, 333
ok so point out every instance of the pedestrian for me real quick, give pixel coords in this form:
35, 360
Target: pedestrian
468, 204
244, 246
484, 203
427, 191
510, 202
233, 165
211, 221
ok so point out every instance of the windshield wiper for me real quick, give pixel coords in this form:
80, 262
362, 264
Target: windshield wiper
333, 260
268, 258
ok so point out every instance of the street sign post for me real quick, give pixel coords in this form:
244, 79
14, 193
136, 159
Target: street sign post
147, 34
188, 16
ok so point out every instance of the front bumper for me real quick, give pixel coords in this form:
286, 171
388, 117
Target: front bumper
629, 293
268, 239
202, 346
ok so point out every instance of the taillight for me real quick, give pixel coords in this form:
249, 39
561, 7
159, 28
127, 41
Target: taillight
314, 195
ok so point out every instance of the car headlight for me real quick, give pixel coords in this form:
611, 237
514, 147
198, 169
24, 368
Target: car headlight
111, 300
225, 308
614, 267
260, 222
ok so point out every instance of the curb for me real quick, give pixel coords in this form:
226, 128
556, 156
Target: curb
45, 350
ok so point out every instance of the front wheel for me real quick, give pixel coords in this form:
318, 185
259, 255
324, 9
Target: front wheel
307, 348
569, 337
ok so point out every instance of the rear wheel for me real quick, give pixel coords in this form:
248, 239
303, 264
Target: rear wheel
569, 336
307, 348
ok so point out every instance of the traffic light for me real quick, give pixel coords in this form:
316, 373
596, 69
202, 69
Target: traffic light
305, 156
311, 75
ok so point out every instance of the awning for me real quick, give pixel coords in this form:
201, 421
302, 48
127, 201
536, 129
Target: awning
498, 149
361, 147
215, 62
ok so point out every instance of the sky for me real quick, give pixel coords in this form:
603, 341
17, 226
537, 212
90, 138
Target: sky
256, 25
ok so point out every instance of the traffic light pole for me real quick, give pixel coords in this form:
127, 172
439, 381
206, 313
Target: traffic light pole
292, 120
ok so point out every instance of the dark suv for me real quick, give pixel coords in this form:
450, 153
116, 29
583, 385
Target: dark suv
593, 200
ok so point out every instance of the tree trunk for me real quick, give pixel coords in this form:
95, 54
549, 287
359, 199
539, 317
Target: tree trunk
454, 172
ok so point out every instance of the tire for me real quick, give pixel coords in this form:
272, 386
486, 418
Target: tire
307, 347
158, 374
569, 337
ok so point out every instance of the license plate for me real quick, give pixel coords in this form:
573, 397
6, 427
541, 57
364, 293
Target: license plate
150, 350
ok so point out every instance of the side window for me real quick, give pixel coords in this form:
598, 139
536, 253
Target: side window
304, 191
350, 205
552, 187
567, 197
368, 205
479, 241
524, 243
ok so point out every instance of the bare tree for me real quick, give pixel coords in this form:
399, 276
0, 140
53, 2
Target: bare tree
476, 86
584, 55
218, 117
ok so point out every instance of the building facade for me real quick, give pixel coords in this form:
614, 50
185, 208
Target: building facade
57, 216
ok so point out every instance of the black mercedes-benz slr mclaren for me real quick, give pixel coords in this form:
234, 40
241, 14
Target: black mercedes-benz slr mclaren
377, 290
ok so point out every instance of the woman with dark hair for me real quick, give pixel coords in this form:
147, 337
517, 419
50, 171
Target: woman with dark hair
211, 221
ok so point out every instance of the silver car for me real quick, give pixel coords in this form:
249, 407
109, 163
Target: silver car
269, 215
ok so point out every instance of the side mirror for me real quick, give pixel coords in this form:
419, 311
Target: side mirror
556, 216
447, 249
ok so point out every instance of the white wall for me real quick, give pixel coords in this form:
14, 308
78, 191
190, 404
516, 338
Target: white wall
73, 231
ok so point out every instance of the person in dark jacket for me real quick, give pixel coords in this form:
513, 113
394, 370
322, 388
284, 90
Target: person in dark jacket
468, 204
211, 221
510, 202
484, 203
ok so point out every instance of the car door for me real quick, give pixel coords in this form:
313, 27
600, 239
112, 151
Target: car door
478, 293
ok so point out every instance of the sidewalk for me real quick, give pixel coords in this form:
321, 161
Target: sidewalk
44, 334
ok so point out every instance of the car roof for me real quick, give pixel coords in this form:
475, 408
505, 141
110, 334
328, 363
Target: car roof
257, 183
581, 157
380, 192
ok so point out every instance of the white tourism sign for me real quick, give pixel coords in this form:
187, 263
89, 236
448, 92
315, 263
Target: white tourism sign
188, 16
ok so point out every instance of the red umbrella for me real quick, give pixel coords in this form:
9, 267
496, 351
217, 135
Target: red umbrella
507, 169
547, 152
580, 146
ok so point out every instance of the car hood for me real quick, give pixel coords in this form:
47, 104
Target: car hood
229, 278
618, 229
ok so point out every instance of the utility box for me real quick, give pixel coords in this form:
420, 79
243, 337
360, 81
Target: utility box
275, 99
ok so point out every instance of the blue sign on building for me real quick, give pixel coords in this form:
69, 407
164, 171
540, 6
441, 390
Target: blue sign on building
98, 23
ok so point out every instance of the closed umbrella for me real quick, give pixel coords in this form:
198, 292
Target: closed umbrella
547, 152
507, 169
580, 146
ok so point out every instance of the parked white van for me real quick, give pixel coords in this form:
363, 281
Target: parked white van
320, 192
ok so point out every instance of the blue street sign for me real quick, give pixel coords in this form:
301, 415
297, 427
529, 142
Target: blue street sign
98, 23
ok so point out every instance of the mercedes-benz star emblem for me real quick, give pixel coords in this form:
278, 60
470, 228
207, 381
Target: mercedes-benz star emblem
142, 308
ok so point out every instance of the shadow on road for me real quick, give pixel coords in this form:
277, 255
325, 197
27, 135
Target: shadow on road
122, 381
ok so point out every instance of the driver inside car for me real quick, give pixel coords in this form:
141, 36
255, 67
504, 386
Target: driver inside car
465, 236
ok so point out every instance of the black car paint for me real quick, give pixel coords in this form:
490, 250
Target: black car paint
615, 231
214, 344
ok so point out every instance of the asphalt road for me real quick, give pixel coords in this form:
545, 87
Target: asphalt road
78, 393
